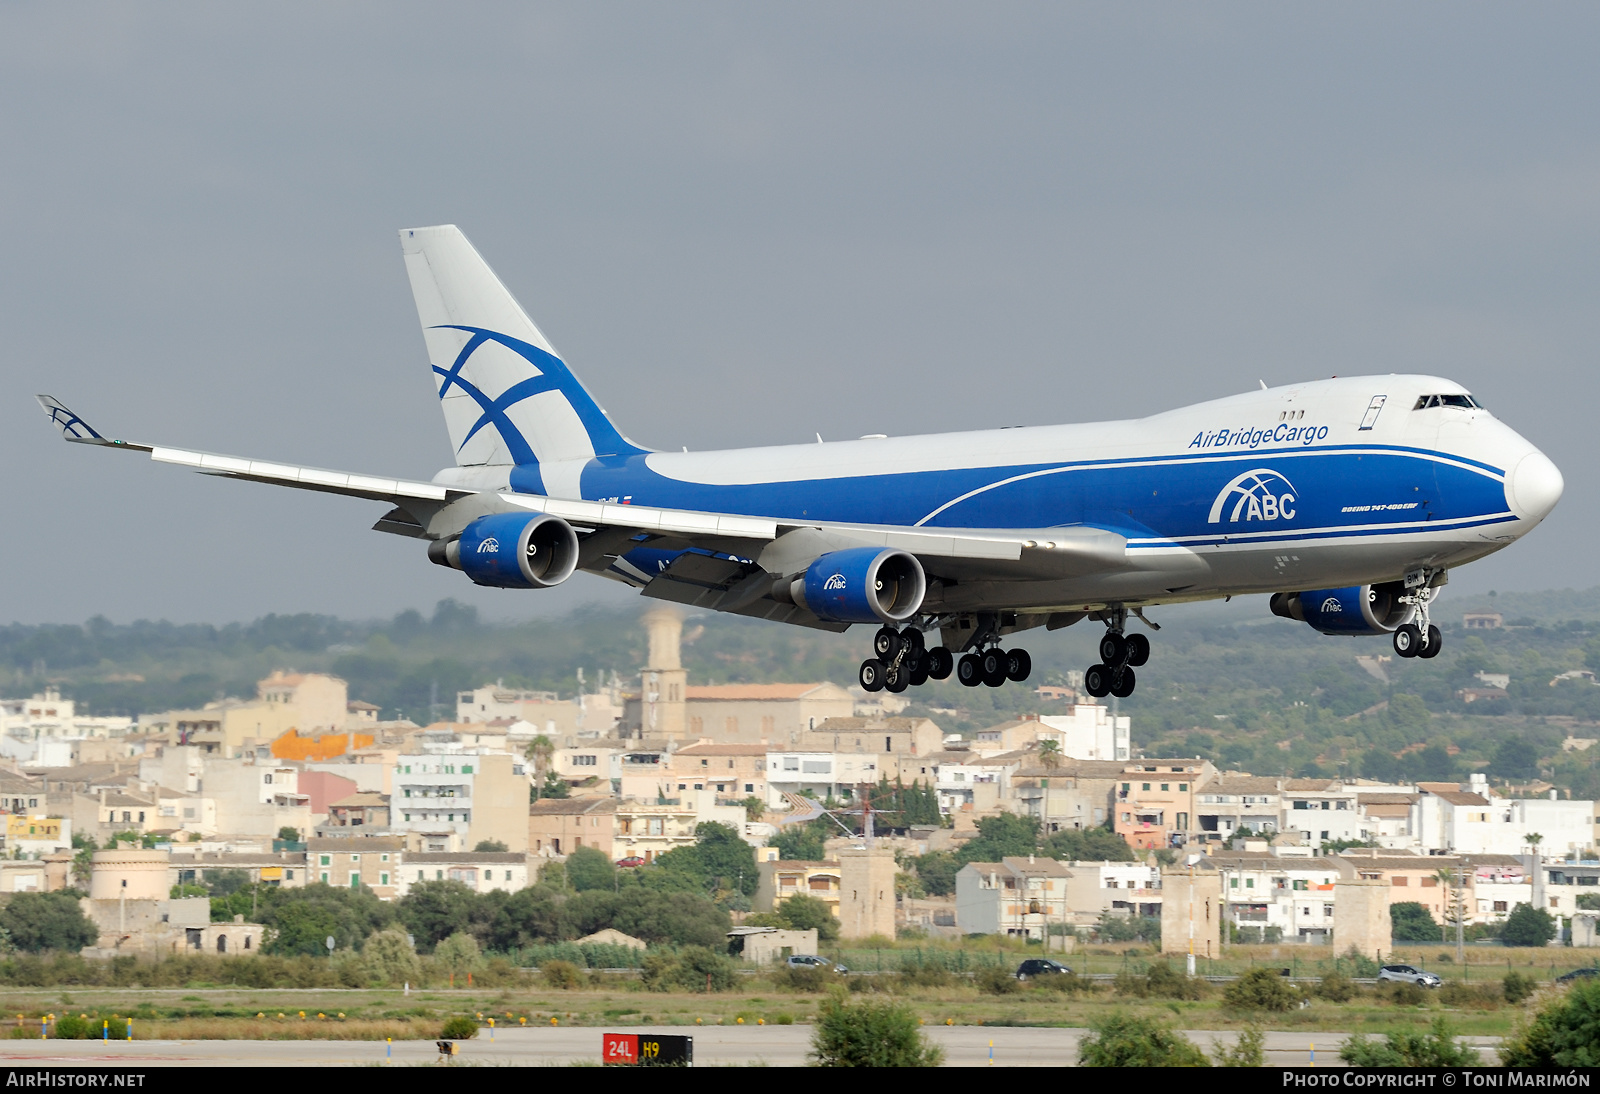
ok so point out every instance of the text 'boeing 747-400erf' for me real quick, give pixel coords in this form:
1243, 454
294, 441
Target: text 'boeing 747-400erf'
1348, 499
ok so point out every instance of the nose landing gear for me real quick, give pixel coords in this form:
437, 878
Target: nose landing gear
1419, 638
1120, 653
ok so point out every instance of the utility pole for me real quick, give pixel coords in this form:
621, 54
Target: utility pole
1191, 915
1461, 946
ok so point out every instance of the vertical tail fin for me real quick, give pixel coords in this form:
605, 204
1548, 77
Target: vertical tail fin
507, 397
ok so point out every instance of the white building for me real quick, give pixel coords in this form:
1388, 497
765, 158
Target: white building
41, 731
1293, 894
1088, 732
823, 774
1477, 821
974, 781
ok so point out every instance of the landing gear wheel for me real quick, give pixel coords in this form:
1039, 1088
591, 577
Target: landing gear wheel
994, 667
871, 674
1018, 665
886, 643
919, 675
939, 662
1407, 640
897, 678
1435, 643
1113, 648
913, 640
1138, 649
969, 670
1124, 684
1097, 681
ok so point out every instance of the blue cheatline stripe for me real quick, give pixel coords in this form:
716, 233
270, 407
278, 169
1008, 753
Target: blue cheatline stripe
1169, 461
554, 376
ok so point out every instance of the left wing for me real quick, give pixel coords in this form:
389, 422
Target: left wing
723, 561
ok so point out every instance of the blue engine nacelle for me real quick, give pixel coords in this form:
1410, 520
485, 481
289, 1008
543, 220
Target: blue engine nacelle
512, 551
1362, 609
862, 585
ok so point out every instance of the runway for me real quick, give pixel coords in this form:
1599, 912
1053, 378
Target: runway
714, 1046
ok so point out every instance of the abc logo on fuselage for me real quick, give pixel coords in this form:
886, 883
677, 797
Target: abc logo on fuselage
1259, 494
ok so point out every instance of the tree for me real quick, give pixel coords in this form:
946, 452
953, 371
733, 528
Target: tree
870, 1034
937, 871
1050, 754
681, 919
1409, 921
435, 910
590, 868
1515, 759
1261, 989
1121, 1040
303, 928
1528, 926
490, 846
390, 959
460, 954
554, 786
289, 834
48, 921
1088, 845
720, 859
799, 843
1565, 1032
1437, 1048
802, 913
999, 836
525, 918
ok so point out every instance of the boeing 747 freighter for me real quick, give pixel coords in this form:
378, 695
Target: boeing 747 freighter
1348, 499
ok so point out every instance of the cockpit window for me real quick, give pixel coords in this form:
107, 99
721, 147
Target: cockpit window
1465, 402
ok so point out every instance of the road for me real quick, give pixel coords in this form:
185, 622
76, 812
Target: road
714, 1046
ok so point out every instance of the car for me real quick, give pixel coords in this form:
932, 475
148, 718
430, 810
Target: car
631, 860
812, 961
1406, 974
1040, 966
1578, 974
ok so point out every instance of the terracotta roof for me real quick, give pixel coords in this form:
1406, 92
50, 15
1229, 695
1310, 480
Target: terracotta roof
356, 845
1395, 810
1385, 799
752, 692
1458, 798
798, 864
1437, 788
711, 748
365, 800
849, 725
571, 807
1248, 784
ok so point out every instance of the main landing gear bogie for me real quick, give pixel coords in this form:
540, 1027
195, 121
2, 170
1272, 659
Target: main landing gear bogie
901, 659
1120, 654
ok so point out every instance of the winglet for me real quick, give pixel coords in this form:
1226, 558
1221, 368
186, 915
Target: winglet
74, 428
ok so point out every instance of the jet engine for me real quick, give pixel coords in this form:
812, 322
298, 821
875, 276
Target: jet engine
512, 551
1361, 609
862, 585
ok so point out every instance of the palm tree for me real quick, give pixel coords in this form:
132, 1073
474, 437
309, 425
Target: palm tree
1050, 754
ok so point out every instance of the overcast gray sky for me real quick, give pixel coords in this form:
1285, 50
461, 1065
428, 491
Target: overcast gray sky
746, 224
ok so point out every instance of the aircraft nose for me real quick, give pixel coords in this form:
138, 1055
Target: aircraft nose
1534, 486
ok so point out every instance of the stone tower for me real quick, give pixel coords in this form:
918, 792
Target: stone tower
663, 682
1191, 900
866, 892
1361, 919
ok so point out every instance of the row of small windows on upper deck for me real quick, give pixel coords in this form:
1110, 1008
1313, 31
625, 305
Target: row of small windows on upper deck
1465, 402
